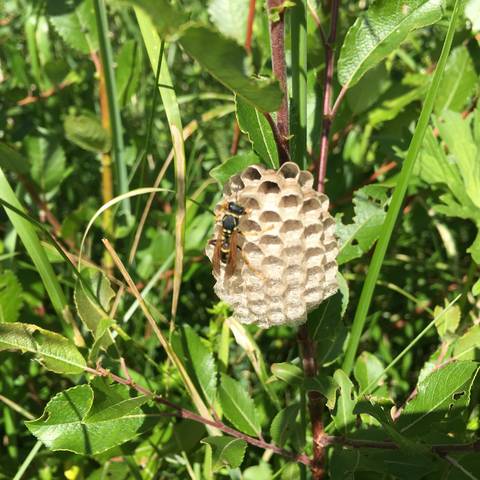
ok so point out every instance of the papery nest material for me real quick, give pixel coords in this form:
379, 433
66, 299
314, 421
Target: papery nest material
286, 262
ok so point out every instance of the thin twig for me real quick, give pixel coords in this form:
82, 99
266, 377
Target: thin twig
315, 403
327, 118
181, 412
279, 66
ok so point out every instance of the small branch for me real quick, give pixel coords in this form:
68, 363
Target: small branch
45, 94
250, 18
327, 117
315, 404
441, 448
181, 412
279, 66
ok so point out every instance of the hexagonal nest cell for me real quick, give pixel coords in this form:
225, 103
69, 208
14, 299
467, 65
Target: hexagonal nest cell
286, 254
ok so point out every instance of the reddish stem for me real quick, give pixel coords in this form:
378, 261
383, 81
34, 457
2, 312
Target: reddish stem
315, 404
327, 116
279, 66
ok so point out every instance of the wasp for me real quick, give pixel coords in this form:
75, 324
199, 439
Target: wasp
226, 245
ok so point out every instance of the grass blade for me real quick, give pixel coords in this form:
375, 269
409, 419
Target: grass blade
169, 99
116, 123
28, 235
397, 199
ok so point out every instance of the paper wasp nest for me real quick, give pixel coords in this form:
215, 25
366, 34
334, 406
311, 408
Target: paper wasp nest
286, 257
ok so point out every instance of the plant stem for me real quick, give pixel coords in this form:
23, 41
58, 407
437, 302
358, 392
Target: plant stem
279, 66
397, 199
298, 105
315, 403
114, 112
327, 116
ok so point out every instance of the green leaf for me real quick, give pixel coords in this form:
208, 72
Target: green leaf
198, 361
87, 421
326, 385
288, 373
93, 310
457, 134
256, 126
12, 161
343, 416
284, 426
446, 390
467, 347
128, 71
227, 451
28, 235
367, 369
238, 406
48, 163
87, 132
327, 329
448, 322
54, 351
230, 17
458, 83
232, 166
11, 300
74, 20
379, 32
380, 414
224, 59
358, 237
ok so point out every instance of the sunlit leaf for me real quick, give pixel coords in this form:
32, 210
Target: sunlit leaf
11, 300
226, 451
381, 30
238, 406
54, 351
88, 422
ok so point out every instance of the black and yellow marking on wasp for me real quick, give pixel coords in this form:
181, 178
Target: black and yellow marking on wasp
226, 244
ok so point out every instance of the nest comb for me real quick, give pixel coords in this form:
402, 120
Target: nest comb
287, 247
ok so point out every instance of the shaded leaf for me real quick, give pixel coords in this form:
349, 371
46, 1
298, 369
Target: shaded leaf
327, 329
232, 166
11, 300
128, 71
83, 421
74, 20
12, 161
379, 32
367, 368
256, 126
54, 351
198, 360
326, 385
288, 373
48, 163
284, 425
238, 406
87, 132
226, 451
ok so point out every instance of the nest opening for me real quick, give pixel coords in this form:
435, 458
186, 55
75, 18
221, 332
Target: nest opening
269, 187
310, 205
269, 216
252, 174
292, 226
289, 170
289, 201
